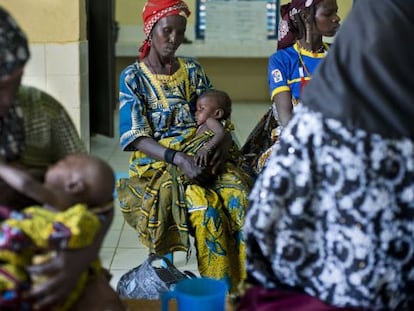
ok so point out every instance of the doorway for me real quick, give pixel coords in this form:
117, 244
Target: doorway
102, 35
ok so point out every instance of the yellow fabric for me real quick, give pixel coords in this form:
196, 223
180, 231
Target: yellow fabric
164, 207
82, 224
38, 228
217, 226
5, 282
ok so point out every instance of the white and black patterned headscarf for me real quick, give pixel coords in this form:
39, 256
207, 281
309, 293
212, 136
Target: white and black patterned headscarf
14, 53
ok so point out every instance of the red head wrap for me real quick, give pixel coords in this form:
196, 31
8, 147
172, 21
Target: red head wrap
287, 30
153, 11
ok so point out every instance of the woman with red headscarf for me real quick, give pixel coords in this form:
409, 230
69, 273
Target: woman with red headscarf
300, 50
158, 96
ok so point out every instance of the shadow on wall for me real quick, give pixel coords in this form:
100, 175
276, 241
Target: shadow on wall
245, 79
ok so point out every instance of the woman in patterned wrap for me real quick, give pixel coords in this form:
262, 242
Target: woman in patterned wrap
331, 222
157, 97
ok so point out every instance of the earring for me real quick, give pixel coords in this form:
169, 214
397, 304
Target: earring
308, 34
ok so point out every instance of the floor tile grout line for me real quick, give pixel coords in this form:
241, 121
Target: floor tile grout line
116, 245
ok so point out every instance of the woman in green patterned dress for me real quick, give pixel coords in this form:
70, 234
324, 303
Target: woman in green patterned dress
158, 97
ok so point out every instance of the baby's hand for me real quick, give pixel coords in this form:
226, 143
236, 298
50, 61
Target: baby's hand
202, 157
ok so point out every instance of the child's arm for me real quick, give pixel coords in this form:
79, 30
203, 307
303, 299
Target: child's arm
23, 182
202, 156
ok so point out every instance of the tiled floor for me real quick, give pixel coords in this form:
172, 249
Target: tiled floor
121, 249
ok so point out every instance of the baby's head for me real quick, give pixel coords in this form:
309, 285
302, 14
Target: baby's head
89, 179
213, 104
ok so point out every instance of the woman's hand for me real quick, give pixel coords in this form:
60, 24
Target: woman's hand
200, 175
63, 270
197, 174
62, 273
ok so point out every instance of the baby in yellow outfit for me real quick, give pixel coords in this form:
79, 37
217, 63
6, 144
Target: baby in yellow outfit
76, 193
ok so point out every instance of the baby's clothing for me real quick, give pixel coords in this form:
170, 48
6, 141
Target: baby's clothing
34, 231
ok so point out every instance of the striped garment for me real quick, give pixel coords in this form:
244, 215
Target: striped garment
49, 131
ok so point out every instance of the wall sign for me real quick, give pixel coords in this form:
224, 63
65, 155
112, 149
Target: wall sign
255, 20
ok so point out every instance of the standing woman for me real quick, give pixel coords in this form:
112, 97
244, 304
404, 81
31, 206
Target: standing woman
158, 96
300, 50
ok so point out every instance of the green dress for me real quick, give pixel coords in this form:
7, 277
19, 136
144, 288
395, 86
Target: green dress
157, 200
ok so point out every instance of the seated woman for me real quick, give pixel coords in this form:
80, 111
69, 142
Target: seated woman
300, 50
158, 97
330, 225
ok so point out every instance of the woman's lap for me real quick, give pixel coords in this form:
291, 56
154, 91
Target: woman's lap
216, 217
219, 255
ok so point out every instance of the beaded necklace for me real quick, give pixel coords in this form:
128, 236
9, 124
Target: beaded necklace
180, 77
163, 79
